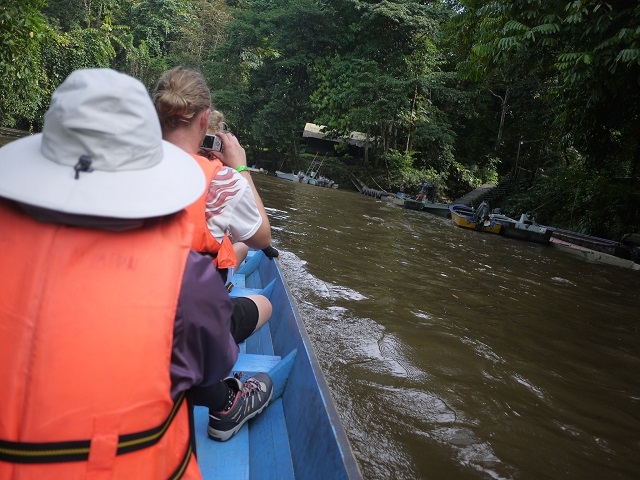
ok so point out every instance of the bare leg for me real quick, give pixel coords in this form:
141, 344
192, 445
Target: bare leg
264, 309
241, 250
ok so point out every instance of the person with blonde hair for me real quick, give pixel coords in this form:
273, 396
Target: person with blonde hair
217, 125
229, 207
233, 206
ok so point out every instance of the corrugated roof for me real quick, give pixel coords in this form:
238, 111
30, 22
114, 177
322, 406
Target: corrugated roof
311, 130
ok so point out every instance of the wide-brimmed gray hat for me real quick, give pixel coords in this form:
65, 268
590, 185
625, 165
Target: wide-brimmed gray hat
100, 153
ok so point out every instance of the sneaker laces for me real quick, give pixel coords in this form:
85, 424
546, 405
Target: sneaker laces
249, 385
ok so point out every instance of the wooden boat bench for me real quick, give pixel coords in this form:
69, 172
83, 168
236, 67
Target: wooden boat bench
233, 458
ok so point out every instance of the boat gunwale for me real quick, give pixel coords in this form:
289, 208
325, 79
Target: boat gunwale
270, 270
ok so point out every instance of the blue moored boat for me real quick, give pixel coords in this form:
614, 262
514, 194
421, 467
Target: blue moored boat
299, 435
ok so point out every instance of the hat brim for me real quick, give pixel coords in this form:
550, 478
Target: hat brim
27, 176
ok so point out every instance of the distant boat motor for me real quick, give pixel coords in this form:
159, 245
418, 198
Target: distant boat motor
482, 214
526, 219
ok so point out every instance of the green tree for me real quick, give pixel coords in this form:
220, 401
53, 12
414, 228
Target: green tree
202, 32
83, 35
585, 59
389, 86
586, 56
22, 30
65, 52
260, 75
78, 14
158, 23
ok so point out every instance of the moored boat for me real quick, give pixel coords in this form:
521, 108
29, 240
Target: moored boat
439, 209
604, 245
287, 176
323, 181
435, 208
466, 217
365, 190
523, 229
397, 199
299, 435
359, 184
302, 177
412, 204
593, 256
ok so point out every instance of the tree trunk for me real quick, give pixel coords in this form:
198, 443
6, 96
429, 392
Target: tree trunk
504, 103
366, 146
411, 120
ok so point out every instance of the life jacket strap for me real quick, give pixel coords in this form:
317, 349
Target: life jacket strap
180, 469
78, 450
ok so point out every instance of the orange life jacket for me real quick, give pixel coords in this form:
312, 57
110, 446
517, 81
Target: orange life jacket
86, 331
203, 240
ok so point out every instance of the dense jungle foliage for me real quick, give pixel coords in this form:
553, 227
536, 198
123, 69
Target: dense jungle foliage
455, 92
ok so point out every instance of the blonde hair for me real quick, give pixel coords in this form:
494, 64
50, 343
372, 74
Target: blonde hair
179, 96
216, 122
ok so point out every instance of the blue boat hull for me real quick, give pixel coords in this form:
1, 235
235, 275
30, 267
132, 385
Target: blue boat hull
299, 435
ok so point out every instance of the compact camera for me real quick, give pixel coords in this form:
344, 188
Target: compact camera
212, 142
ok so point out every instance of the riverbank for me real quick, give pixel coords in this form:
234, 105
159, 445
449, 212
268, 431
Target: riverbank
9, 134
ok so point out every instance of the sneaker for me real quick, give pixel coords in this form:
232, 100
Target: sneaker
252, 397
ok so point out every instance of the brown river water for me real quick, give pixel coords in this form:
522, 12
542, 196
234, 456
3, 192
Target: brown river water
452, 354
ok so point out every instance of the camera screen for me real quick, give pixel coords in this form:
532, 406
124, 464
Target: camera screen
208, 141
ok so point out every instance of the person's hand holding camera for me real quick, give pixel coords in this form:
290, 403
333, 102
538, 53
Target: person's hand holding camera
232, 155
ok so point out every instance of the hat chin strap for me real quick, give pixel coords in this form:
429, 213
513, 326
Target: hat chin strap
83, 165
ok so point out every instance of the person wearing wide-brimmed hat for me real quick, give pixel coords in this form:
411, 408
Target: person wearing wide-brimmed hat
107, 317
